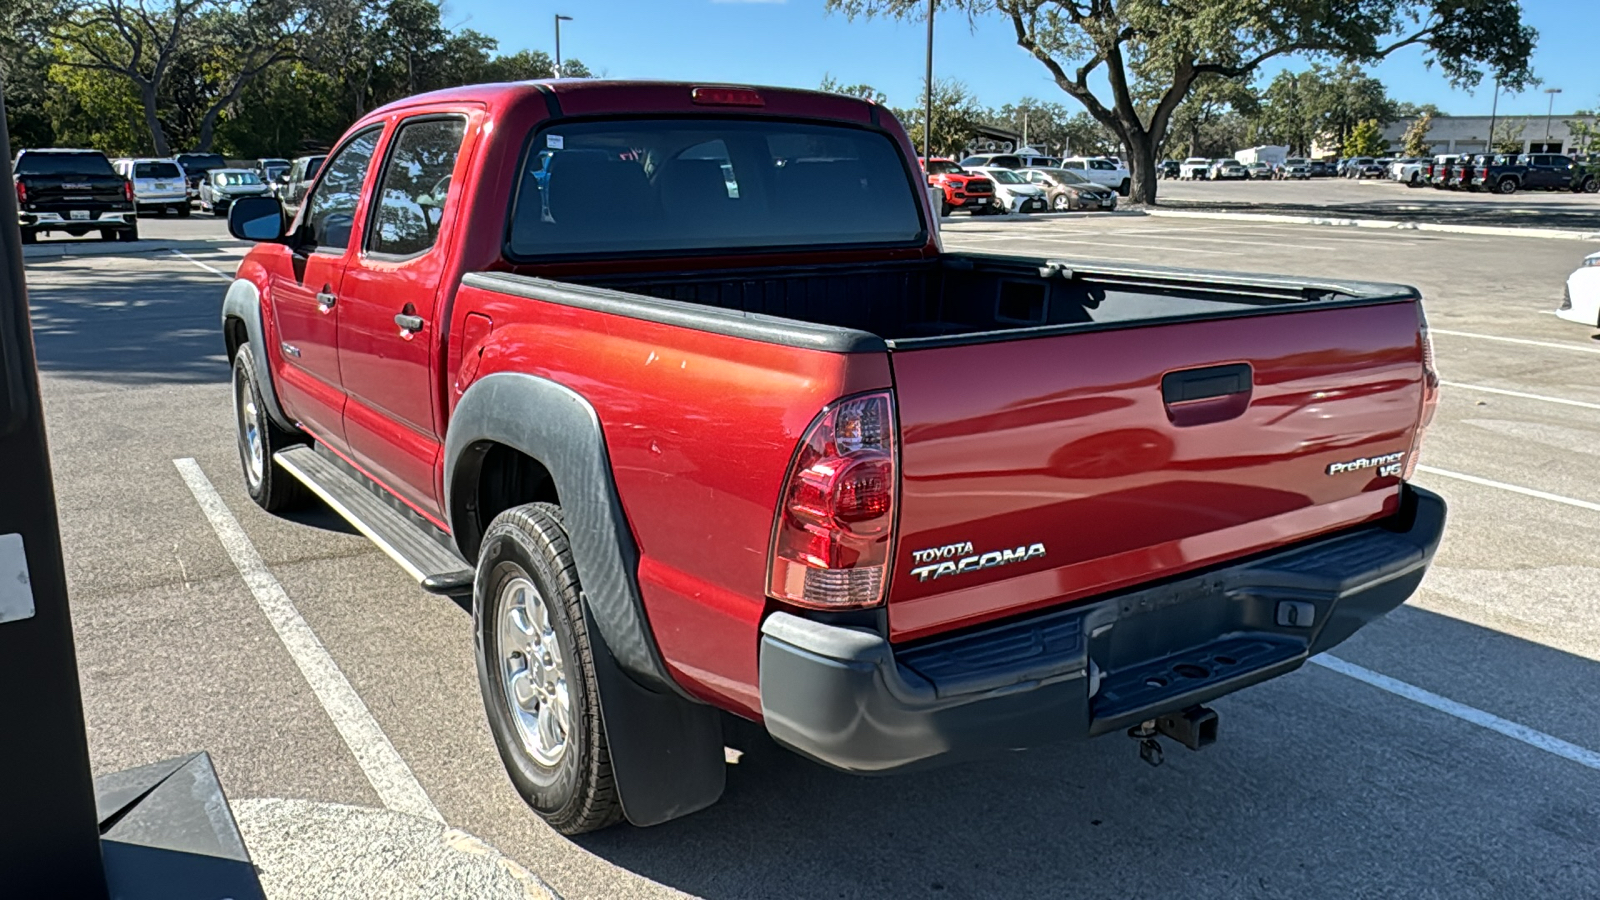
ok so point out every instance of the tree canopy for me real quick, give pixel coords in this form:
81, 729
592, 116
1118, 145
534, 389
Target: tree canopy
1151, 53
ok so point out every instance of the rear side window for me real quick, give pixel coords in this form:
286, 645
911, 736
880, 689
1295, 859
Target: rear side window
156, 170
688, 185
37, 163
416, 182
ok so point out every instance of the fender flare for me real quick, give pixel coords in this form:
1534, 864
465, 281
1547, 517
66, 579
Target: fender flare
243, 302
666, 747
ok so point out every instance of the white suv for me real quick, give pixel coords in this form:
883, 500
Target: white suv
1100, 170
158, 184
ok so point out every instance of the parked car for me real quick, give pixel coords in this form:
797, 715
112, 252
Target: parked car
1463, 176
1586, 174
1012, 192
1407, 171
1228, 170
270, 169
961, 189
1509, 173
293, 184
1437, 171
1580, 299
76, 191
158, 184
1321, 168
1259, 171
1362, 167
1293, 168
1169, 168
1101, 170
1033, 159
992, 160
1067, 190
794, 461
1195, 168
223, 186
195, 166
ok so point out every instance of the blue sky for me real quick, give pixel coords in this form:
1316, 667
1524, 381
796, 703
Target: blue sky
796, 42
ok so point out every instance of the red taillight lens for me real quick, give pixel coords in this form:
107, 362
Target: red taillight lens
1483, 174
835, 522
1430, 394
127, 190
22, 193
1428, 170
712, 96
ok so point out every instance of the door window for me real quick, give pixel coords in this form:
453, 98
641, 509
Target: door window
416, 182
331, 209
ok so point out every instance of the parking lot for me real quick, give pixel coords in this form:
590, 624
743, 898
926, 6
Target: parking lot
1373, 775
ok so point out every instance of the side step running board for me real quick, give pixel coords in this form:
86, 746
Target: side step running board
436, 567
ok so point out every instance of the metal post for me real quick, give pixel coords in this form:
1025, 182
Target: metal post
1549, 110
927, 92
1494, 109
559, 19
49, 831
1025, 128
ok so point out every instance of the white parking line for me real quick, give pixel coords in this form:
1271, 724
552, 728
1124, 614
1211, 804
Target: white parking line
1489, 390
396, 786
1533, 738
1513, 488
1510, 340
215, 271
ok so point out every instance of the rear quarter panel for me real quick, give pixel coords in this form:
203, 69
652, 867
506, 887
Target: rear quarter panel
701, 429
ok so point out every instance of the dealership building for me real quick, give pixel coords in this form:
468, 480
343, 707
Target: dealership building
1470, 134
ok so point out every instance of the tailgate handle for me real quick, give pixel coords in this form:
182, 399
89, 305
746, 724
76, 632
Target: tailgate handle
1206, 383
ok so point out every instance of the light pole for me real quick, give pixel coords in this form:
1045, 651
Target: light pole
927, 93
1494, 109
1547, 113
559, 19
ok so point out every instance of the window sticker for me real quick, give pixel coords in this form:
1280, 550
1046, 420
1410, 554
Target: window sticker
555, 141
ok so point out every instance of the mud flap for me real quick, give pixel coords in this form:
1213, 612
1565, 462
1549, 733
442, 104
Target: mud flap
666, 751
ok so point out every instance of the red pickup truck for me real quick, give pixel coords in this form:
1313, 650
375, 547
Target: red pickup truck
678, 383
959, 188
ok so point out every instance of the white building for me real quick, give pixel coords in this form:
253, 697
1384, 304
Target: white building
1470, 134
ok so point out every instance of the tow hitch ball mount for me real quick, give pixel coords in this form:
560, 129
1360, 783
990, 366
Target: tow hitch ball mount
1194, 728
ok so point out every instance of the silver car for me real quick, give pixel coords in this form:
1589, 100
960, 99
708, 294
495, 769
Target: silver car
223, 186
158, 184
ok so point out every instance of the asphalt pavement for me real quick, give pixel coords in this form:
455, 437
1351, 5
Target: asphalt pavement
1323, 785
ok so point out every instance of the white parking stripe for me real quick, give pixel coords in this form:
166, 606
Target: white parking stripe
215, 271
1489, 390
1533, 738
1510, 340
1515, 489
396, 786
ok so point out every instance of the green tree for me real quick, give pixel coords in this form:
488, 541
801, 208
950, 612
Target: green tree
1053, 127
864, 91
1160, 48
1415, 142
1508, 136
956, 117
1585, 130
1213, 120
1366, 139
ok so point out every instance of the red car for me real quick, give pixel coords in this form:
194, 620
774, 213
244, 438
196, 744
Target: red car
962, 189
677, 383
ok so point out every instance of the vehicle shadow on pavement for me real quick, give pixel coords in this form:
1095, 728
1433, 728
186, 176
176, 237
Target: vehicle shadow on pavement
1320, 786
122, 320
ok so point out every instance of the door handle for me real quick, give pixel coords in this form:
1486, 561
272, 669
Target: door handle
1206, 383
325, 301
409, 325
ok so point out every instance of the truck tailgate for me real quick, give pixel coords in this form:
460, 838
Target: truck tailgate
1041, 470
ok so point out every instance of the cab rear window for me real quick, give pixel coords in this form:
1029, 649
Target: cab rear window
156, 170
711, 185
37, 163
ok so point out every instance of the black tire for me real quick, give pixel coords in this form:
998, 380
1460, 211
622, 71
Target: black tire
1125, 188
106, 234
1590, 185
578, 792
272, 489
1060, 203
944, 208
129, 235
1507, 185
182, 210
29, 236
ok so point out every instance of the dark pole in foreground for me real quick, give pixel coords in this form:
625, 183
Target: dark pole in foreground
927, 93
1494, 108
49, 831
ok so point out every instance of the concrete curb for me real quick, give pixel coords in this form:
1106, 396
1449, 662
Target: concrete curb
137, 248
1386, 224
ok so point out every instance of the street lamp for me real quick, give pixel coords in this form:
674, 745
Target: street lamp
1548, 110
1494, 109
927, 93
559, 19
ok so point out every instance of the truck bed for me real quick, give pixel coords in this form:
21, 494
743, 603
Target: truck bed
975, 298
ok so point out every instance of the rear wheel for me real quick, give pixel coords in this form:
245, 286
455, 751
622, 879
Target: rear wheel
1125, 188
1507, 185
29, 236
1591, 185
182, 209
536, 671
258, 439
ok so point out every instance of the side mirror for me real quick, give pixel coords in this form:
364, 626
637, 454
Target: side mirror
256, 219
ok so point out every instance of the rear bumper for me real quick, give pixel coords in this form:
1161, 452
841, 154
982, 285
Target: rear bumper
48, 221
846, 698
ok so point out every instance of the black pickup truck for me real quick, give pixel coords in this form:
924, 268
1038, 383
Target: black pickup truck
1510, 173
75, 191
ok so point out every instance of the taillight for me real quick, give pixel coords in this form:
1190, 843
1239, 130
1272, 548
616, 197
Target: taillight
835, 521
127, 190
1430, 393
1483, 174
22, 193
1428, 170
